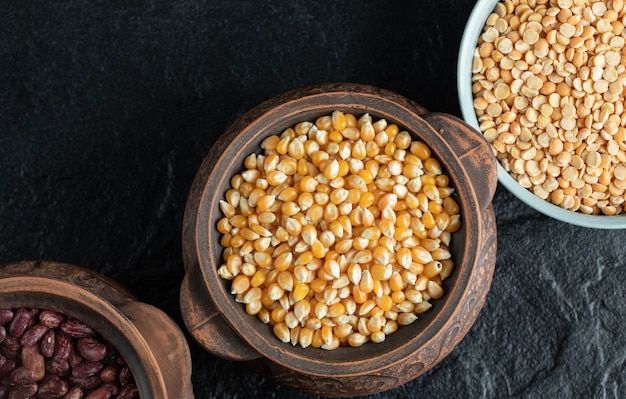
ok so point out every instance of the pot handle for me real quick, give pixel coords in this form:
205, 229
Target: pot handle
473, 151
166, 341
208, 327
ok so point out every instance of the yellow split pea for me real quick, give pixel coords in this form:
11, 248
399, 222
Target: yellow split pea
339, 233
548, 83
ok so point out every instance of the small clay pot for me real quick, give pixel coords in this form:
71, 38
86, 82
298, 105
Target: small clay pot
151, 343
223, 328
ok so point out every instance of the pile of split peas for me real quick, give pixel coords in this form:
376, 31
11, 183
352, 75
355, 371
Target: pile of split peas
548, 84
339, 232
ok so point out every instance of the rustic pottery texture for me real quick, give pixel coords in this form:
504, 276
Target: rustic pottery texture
150, 342
224, 329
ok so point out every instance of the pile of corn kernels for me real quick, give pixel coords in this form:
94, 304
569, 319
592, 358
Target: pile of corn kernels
339, 233
548, 85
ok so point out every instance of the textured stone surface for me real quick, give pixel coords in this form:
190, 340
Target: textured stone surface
107, 109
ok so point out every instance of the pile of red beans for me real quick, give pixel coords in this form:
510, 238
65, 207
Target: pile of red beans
45, 354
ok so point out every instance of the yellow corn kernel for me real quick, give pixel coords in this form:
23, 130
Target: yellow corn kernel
366, 200
282, 147
258, 278
335, 136
305, 337
296, 149
391, 130
420, 150
384, 302
270, 142
224, 226
367, 132
447, 265
381, 272
450, 206
398, 297
282, 332
338, 195
336, 310
358, 150
387, 227
262, 259
428, 219
327, 335
432, 269
308, 184
338, 120
431, 165
402, 140
300, 291
285, 280
240, 284
317, 341
317, 249
236, 181
283, 261
390, 149
434, 290
371, 149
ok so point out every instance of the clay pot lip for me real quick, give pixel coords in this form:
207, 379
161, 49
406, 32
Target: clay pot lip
475, 24
28, 291
294, 106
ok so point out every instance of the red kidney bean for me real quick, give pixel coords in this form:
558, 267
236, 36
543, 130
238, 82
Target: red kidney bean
25, 391
6, 366
129, 391
90, 382
32, 335
50, 318
92, 349
76, 329
62, 347
125, 376
6, 315
100, 393
3, 333
4, 391
22, 375
10, 347
52, 387
47, 343
33, 360
75, 392
113, 388
55, 367
75, 357
109, 373
20, 322
87, 369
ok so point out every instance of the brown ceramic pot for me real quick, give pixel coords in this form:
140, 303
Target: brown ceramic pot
150, 342
224, 329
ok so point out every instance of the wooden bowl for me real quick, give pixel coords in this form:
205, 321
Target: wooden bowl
223, 327
150, 342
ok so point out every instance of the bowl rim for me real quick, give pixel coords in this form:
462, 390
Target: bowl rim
475, 23
272, 348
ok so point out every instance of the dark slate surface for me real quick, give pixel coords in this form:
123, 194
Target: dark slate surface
108, 107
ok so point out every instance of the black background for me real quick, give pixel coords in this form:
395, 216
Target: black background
107, 109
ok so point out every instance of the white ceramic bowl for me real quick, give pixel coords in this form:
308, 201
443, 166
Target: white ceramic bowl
473, 29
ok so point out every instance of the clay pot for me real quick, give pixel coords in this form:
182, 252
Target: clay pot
224, 329
150, 342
